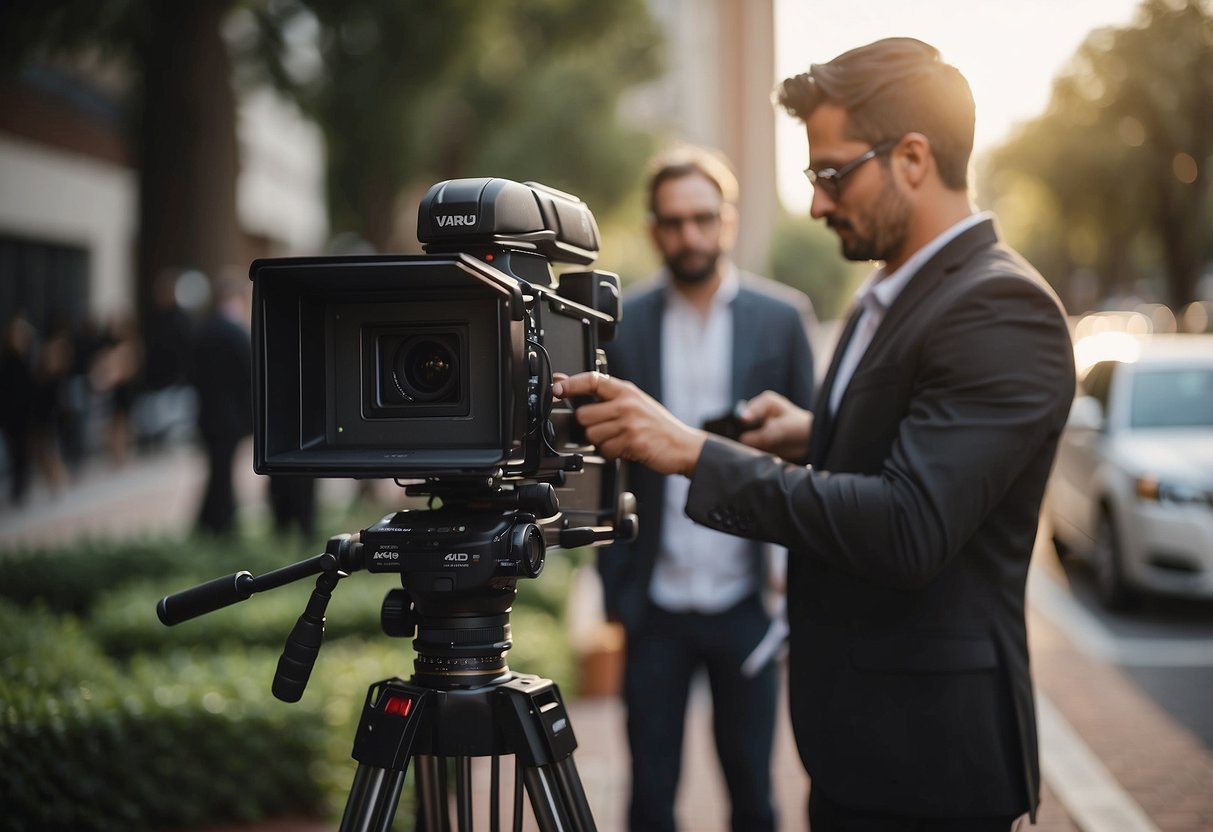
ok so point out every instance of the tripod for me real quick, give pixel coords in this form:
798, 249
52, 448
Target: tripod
520, 715
462, 701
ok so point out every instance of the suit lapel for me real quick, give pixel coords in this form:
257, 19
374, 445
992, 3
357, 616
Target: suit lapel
647, 350
927, 280
822, 419
950, 258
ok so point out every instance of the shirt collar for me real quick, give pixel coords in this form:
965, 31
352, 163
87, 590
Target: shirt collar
730, 285
880, 289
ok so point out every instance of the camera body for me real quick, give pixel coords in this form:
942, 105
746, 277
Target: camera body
438, 367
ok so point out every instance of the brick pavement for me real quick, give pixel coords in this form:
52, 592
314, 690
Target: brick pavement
1158, 763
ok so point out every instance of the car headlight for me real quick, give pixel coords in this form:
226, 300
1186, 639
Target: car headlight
1152, 489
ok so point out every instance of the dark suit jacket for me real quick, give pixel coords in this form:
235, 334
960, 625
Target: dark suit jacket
222, 372
910, 535
770, 352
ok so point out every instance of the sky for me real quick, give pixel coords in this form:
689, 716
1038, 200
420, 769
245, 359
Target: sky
1010, 50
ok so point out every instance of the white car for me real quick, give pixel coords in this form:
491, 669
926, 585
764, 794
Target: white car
1132, 487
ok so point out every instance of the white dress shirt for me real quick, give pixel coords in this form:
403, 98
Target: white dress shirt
698, 569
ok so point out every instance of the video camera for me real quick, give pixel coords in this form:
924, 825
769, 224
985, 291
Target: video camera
437, 368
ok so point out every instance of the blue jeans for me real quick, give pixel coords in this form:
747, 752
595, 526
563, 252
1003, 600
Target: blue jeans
662, 657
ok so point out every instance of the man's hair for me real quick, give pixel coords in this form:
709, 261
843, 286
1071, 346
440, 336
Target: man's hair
687, 160
889, 88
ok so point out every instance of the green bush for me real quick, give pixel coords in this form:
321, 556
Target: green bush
109, 720
88, 744
72, 578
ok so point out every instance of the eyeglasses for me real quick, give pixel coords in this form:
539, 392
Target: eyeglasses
830, 179
703, 221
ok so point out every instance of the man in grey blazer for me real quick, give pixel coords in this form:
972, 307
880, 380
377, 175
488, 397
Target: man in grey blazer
700, 336
912, 524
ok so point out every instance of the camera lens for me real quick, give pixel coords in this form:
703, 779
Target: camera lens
426, 369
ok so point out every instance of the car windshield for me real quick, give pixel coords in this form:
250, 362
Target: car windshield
1173, 398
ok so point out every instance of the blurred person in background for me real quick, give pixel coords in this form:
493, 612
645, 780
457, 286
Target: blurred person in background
293, 504
700, 336
115, 374
52, 369
17, 388
165, 400
77, 399
221, 371
168, 336
911, 526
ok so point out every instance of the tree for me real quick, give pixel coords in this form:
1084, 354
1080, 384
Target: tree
181, 113
1120, 162
412, 92
406, 91
186, 137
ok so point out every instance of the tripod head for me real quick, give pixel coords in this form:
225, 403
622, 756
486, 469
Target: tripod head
459, 567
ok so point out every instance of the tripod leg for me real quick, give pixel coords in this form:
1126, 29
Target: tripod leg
431, 794
373, 799
557, 799
518, 778
495, 794
574, 792
463, 794
536, 724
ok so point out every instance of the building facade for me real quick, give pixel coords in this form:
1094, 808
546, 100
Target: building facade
69, 191
716, 92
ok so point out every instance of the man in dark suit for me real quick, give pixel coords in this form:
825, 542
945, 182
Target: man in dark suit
912, 525
700, 336
221, 371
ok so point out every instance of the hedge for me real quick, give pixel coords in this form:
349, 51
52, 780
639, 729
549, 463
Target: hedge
111, 721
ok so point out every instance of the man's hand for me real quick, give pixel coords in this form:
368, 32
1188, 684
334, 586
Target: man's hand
783, 427
626, 423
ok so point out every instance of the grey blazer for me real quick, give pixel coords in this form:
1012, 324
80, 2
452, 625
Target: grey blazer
770, 352
910, 535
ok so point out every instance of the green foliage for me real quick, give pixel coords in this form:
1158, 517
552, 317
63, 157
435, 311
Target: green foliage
33, 27
1114, 178
545, 105
410, 93
71, 579
805, 255
109, 720
85, 743
407, 93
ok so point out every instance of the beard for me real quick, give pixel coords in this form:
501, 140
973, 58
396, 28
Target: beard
886, 227
690, 267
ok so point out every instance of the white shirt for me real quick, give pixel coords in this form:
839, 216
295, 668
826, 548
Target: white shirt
878, 293
698, 569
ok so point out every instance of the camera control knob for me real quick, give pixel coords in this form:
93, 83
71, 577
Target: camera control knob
396, 615
528, 548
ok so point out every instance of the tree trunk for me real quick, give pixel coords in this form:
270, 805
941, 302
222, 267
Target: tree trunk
188, 155
1181, 225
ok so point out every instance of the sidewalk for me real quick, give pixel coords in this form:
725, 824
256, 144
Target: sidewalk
1163, 774
1112, 760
